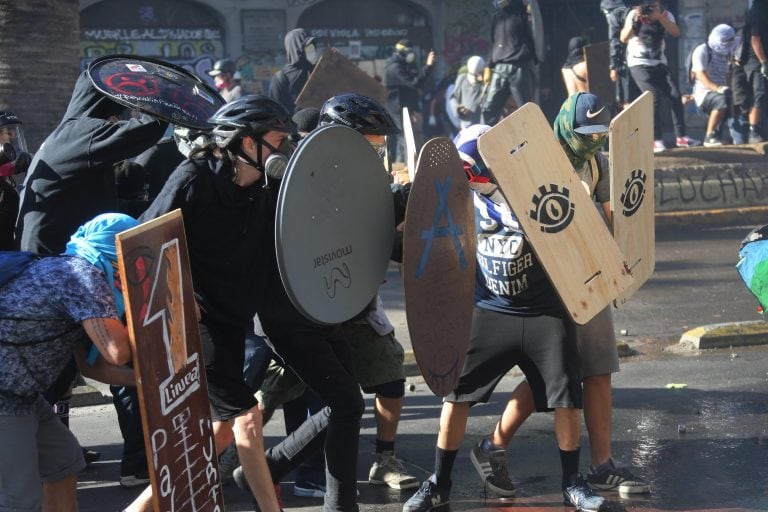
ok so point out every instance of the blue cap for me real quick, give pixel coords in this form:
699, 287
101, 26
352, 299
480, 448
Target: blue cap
592, 116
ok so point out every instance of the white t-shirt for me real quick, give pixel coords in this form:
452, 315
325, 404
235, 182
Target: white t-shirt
638, 54
715, 66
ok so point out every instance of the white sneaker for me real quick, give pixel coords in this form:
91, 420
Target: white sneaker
389, 470
658, 146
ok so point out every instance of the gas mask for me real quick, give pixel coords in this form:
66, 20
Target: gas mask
410, 57
7, 159
310, 52
277, 161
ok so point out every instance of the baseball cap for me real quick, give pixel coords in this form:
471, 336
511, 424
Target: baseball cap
592, 116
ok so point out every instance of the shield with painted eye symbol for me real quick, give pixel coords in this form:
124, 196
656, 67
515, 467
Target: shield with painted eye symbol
559, 219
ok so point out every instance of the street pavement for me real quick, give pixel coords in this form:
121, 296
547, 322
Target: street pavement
703, 447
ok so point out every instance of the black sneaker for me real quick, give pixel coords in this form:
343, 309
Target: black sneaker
712, 141
607, 477
428, 497
492, 468
580, 495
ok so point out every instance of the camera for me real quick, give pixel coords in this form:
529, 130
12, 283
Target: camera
646, 10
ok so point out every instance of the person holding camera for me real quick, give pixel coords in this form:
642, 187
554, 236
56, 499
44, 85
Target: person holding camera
645, 28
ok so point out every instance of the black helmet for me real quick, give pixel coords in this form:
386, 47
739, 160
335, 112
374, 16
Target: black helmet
252, 115
7, 117
223, 66
358, 112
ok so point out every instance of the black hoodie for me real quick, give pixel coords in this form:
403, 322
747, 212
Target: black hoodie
71, 179
290, 80
511, 38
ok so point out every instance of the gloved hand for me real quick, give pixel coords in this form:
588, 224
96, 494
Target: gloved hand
22, 162
764, 69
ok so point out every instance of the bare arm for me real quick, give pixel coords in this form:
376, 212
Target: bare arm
628, 29
111, 339
757, 46
669, 25
103, 371
702, 77
608, 213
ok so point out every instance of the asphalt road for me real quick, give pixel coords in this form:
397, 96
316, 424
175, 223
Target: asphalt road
718, 463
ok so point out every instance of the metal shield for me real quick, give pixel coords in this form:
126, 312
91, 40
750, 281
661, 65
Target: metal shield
157, 88
439, 265
335, 225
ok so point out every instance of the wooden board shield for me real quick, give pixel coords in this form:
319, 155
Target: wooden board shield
410, 143
334, 225
598, 72
439, 265
557, 215
335, 74
537, 30
631, 157
169, 366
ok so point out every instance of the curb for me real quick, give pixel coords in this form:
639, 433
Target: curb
725, 335
85, 394
752, 216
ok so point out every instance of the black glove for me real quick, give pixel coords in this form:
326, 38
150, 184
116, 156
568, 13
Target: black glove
22, 162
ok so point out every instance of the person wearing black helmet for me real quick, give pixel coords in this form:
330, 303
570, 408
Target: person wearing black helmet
287, 83
377, 356
14, 159
226, 79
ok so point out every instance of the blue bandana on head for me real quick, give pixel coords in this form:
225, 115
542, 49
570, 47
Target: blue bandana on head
94, 241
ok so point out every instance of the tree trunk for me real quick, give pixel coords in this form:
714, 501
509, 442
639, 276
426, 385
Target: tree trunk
39, 48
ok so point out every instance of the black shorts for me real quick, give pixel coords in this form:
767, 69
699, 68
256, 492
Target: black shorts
714, 101
544, 347
224, 355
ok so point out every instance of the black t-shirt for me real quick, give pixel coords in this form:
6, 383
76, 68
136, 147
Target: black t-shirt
511, 39
756, 25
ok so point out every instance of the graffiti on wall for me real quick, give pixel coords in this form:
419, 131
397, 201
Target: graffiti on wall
724, 188
467, 31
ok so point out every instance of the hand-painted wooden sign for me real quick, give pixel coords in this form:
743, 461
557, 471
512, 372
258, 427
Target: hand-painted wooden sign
439, 265
335, 74
557, 215
631, 158
170, 372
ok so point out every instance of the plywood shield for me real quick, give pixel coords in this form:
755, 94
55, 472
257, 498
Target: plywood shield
598, 72
410, 144
158, 88
335, 74
169, 366
537, 31
439, 265
631, 158
557, 215
335, 225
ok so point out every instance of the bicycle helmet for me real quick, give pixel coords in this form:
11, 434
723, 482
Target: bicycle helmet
223, 66
359, 113
251, 115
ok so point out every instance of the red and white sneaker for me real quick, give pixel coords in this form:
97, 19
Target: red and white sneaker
686, 142
658, 146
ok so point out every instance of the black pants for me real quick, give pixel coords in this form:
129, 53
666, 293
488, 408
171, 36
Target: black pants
320, 356
658, 80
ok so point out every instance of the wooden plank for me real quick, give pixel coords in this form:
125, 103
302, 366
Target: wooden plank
631, 156
598, 61
335, 74
557, 215
439, 241
168, 361
410, 144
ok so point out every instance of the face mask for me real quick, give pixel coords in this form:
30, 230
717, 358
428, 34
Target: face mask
410, 57
310, 53
277, 161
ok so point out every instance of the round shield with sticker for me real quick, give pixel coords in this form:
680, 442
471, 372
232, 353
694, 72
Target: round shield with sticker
157, 88
335, 225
